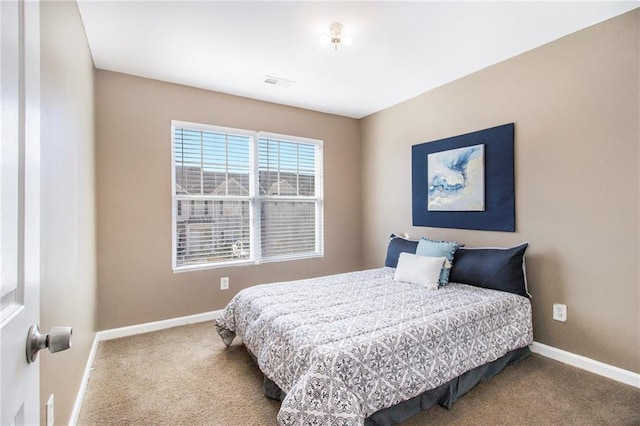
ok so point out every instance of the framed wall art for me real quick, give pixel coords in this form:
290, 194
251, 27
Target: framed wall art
466, 181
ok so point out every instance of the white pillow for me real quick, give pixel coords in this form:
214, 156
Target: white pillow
421, 270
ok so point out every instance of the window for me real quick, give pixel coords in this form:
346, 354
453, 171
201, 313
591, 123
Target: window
241, 196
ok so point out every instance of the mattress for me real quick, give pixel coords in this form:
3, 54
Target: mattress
345, 346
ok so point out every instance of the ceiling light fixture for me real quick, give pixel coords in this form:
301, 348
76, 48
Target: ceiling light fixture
335, 36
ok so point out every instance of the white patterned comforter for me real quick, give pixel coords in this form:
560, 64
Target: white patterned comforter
345, 346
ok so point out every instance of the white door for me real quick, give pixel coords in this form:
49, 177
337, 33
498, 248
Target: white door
19, 207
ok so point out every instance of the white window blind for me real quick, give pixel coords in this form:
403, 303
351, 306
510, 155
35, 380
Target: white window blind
239, 196
212, 220
290, 198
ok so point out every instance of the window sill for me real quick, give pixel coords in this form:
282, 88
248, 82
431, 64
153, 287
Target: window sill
235, 263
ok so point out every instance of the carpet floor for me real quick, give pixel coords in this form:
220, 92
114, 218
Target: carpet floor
186, 376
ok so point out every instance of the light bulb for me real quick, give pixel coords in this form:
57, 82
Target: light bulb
347, 41
325, 39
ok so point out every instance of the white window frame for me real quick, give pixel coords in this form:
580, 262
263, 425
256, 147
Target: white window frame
255, 199
318, 198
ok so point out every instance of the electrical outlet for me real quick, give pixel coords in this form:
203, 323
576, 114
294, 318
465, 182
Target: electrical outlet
49, 412
224, 283
559, 312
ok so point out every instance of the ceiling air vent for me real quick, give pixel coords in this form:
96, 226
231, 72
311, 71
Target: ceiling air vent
278, 81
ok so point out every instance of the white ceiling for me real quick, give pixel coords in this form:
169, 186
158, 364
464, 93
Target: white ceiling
400, 49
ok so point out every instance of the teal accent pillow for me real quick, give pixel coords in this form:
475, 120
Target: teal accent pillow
431, 248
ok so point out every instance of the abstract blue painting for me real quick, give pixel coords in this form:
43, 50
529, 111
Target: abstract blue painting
456, 179
466, 181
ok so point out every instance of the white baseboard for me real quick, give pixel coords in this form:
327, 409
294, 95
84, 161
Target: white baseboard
148, 327
115, 333
83, 384
588, 364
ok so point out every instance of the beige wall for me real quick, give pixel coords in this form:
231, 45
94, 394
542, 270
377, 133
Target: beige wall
133, 155
68, 265
575, 104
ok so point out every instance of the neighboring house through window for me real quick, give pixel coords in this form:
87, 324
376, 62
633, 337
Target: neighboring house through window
241, 196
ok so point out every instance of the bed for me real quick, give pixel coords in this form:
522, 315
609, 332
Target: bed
349, 349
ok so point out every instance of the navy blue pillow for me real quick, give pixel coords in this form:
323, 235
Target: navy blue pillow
495, 268
396, 246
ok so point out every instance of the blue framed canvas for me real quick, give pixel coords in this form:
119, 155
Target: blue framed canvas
466, 181
455, 179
